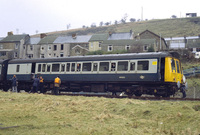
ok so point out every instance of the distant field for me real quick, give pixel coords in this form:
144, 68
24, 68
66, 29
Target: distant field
31, 114
178, 27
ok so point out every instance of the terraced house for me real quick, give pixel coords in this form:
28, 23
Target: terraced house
14, 46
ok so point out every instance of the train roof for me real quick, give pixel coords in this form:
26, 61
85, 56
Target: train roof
95, 57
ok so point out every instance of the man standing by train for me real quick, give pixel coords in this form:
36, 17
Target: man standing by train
57, 83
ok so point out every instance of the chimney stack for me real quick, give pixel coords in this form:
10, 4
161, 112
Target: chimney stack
42, 35
10, 33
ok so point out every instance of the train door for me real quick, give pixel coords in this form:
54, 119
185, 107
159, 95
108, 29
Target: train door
178, 73
33, 70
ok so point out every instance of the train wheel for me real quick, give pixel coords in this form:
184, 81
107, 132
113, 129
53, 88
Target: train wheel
138, 94
129, 92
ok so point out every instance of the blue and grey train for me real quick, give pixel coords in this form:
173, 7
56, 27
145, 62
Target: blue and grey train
157, 73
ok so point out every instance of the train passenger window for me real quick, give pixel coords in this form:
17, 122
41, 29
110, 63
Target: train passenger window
0, 68
132, 66
55, 67
113, 66
143, 65
78, 67
104, 66
122, 66
73, 67
178, 67
95, 66
86, 67
68, 67
18, 68
39, 67
62, 67
48, 68
173, 65
43, 67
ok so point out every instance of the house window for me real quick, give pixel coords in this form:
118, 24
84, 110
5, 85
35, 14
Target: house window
61, 54
31, 47
110, 48
15, 54
30, 56
49, 47
41, 55
100, 44
77, 51
42, 48
91, 45
62, 47
127, 47
16, 46
145, 48
55, 47
1, 46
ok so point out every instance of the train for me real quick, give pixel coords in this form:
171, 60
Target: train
153, 73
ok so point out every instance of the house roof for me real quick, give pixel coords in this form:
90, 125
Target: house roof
34, 40
120, 36
1, 38
70, 39
128, 42
99, 37
14, 38
47, 40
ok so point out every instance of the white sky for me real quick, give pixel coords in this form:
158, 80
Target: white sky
29, 16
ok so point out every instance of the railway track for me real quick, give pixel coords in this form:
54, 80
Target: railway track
146, 97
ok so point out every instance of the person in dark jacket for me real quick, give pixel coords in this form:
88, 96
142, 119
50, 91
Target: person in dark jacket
14, 83
36, 82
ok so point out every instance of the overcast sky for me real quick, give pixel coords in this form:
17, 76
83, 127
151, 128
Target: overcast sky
31, 16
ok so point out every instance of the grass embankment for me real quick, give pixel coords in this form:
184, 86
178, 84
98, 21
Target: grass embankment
46, 114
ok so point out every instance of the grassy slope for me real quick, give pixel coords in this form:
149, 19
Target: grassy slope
52, 115
166, 27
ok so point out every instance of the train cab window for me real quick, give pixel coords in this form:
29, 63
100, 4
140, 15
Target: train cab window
178, 67
104, 66
132, 66
113, 66
173, 65
55, 67
62, 68
43, 67
95, 66
122, 66
78, 67
68, 67
18, 68
48, 68
143, 65
86, 67
0, 68
39, 67
73, 67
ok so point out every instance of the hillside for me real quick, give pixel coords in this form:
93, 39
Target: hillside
178, 27
31, 114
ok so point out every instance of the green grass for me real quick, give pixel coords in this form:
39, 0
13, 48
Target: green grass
178, 27
55, 115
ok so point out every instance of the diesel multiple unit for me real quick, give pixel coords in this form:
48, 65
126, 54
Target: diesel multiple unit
157, 73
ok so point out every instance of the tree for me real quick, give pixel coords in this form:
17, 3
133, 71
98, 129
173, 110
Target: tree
124, 18
101, 23
107, 23
93, 25
116, 22
132, 20
174, 16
